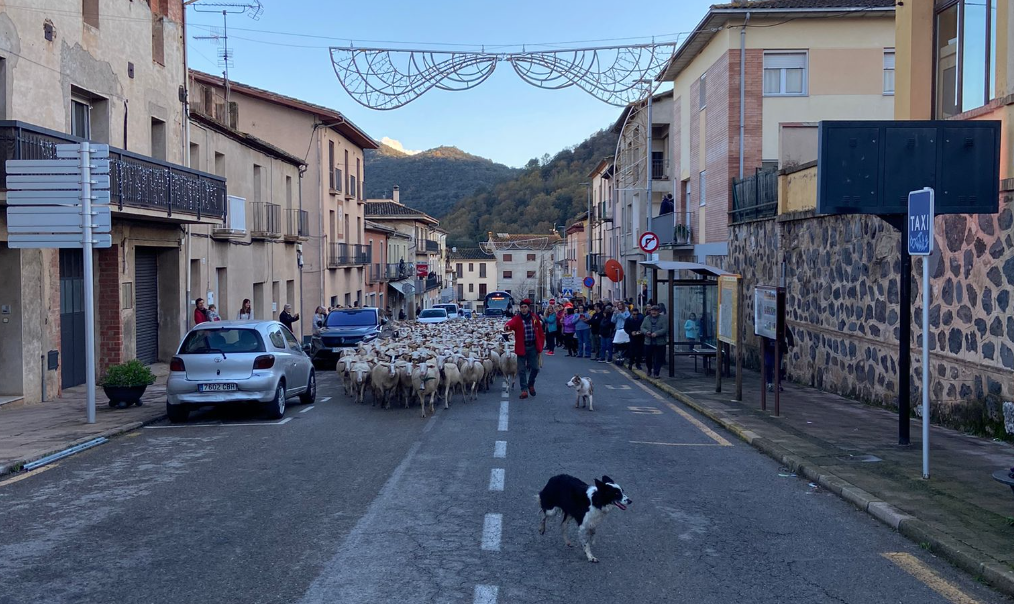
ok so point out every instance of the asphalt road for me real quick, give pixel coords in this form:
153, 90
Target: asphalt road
351, 503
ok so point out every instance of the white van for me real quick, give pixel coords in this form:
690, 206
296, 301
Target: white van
453, 312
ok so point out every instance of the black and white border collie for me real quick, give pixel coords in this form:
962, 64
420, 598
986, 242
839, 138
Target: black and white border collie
586, 504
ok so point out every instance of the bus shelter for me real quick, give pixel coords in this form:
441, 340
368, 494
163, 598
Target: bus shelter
693, 296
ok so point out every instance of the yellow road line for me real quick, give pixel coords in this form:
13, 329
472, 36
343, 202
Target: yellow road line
648, 442
690, 418
28, 474
929, 577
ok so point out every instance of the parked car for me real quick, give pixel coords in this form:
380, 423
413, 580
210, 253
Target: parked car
238, 362
453, 312
433, 315
346, 328
468, 313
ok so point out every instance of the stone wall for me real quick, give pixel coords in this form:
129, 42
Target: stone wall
843, 301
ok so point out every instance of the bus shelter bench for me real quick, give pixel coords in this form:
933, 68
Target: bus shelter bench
695, 349
1003, 477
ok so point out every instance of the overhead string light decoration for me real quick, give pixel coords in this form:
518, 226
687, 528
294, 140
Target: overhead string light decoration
389, 78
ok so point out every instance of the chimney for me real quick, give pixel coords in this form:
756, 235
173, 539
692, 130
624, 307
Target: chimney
395, 194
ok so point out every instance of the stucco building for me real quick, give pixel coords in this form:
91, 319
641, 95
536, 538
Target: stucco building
474, 276
116, 74
524, 263
335, 256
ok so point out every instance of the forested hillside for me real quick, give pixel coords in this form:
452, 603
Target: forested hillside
432, 181
545, 195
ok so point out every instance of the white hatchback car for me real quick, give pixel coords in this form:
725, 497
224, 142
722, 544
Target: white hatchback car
224, 362
433, 315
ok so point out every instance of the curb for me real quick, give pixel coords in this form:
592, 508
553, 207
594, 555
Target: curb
978, 564
17, 464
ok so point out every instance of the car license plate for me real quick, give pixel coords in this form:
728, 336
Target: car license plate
217, 387
336, 350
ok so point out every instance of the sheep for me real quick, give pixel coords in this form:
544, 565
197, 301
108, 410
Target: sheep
425, 381
509, 368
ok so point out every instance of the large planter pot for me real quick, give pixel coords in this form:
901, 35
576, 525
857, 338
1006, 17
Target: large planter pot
124, 396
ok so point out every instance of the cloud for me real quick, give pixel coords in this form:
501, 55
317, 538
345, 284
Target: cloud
396, 144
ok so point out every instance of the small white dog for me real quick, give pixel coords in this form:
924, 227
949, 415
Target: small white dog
584, 388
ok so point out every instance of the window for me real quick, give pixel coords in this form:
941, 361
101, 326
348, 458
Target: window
257, 178
90, 12
157, 139
686, 194
531, 257
330, 163
508, 274
288, 192
889, 71
359, 178
482, 270
482, 290
219, 164
965, 56
195, 156
158, 39
704, 91
80, 118
461, 291
702, 184
277, 339
346, 162
471, 288
784, 73
508, 257
459, 270
531, 274
471, 267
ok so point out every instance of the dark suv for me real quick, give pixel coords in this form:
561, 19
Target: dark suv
345, 328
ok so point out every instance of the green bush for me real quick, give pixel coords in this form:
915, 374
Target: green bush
131, 373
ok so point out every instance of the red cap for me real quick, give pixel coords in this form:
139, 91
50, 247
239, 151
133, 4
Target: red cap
527, 301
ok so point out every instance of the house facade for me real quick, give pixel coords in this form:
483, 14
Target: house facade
605, 226
114, 74
335, 257
524, 263
474, 276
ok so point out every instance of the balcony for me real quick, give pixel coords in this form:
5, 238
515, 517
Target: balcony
754, 197
675, 231
138, 184
348, 255
593, 261
430, 283
399, 271
432, 247
265, 220
658, 169
297, 225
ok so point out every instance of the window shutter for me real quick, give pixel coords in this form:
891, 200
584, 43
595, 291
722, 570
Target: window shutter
785, 60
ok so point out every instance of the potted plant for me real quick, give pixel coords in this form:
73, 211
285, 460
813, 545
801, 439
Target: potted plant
125, 383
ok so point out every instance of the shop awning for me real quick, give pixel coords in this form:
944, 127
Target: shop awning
405, 288
694, 267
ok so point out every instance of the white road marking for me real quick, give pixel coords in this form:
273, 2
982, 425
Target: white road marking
491, 528
500, 449
620, 387
690, 418
485, 594
307, 409
645, 410
599, 371
325, 399
496, 476
220, 425
502, 427
648, 442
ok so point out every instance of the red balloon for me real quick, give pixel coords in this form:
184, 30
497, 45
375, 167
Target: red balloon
614, 270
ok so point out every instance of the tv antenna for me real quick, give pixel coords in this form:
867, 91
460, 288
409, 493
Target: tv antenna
220, 37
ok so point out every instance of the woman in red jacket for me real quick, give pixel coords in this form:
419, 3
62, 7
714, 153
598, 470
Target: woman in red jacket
529, 338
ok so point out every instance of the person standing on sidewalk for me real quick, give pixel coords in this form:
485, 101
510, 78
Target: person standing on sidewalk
635, 350
200, 312
551, 328
287, 318
569, 324
595, 322
582, 331
529, 338
213, 313
607, 329
656, 335
245, 312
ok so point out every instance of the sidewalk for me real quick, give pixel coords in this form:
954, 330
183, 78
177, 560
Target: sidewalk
851, 449
31, 432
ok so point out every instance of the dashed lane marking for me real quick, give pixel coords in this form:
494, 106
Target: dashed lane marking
325, 399
500, 449
929, 577
491, 528
645, 410
599, 371
496, 477
28, 474
690, 418
620, 387
486, 594
648, 442
502, 425
307, 409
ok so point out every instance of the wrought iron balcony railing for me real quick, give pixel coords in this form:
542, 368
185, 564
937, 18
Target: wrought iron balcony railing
265, 220
348, 254
432, 246
399, 271
297, 225
136, 181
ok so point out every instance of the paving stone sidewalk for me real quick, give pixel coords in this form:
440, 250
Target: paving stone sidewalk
850, 448
31, 432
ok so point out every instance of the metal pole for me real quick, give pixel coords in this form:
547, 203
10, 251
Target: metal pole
652, 281
739, 340
905, 344
672, 321
925, 365
89, 294
764, 372
588, 253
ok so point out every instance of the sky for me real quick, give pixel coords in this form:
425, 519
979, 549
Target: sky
503, 119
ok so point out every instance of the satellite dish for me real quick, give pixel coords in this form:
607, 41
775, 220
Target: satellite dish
614, 270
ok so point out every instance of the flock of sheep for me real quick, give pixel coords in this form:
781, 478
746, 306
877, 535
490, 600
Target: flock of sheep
429, 360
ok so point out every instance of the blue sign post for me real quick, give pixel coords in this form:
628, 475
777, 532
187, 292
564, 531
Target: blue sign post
920, 243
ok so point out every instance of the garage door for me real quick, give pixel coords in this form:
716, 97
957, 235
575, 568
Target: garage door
146, 304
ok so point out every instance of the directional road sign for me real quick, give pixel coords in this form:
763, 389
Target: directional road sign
73, 151
55, 240
648, 242
54, 166
49, 198
56, 219
920, 222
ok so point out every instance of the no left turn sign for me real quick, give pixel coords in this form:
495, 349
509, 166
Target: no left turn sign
648, 242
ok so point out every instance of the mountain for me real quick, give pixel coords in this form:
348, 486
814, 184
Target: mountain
546, 194
432, 181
